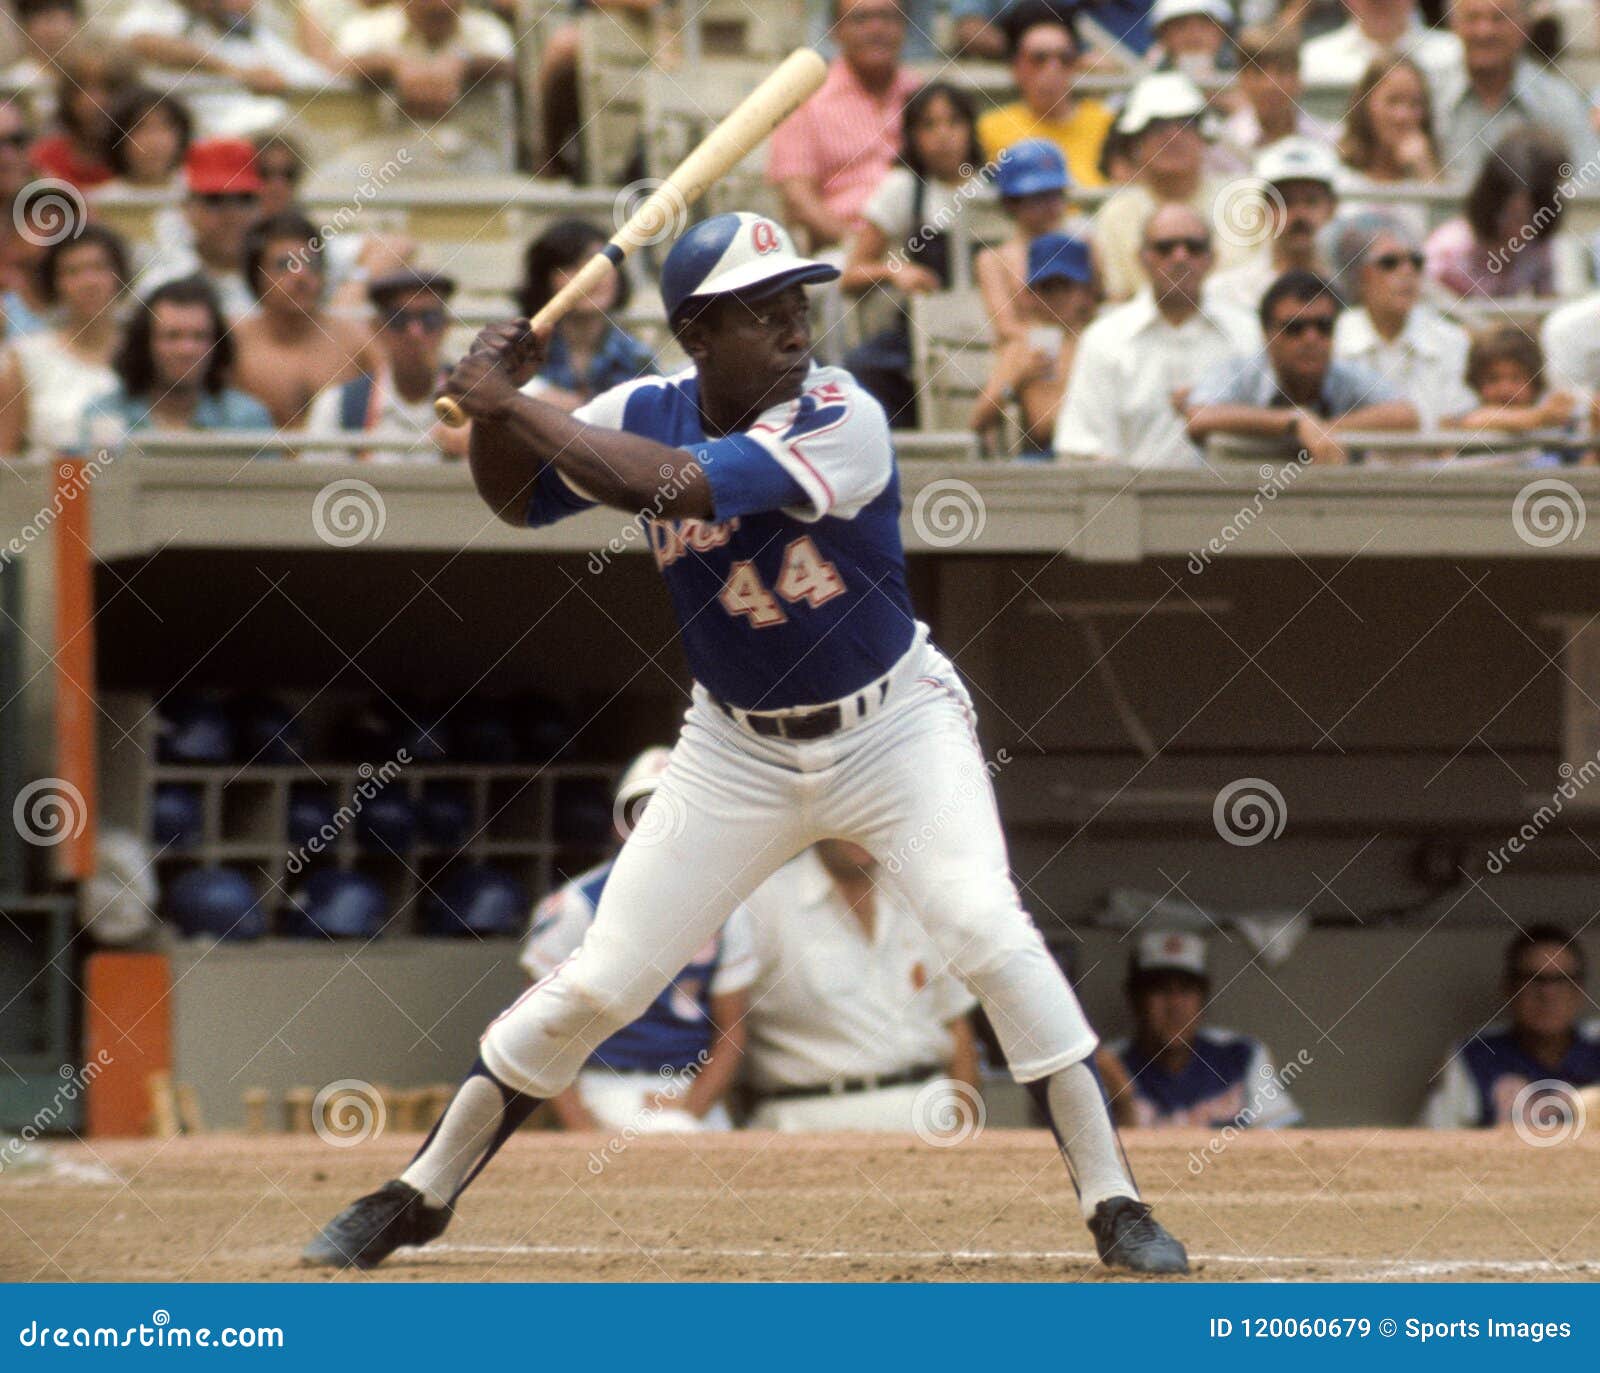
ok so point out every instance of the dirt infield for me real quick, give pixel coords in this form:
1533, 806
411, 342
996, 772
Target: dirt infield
1352, 1205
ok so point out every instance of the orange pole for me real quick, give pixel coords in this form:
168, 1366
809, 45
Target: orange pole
74, 662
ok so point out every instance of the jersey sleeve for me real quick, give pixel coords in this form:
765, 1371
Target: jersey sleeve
1269, 1104
1453, 1103
737, 967
557, 928
827, 452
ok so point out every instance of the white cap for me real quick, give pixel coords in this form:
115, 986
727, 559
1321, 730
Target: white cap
1162, 95
642, 777
1297, 158
1170, 951
1164, 10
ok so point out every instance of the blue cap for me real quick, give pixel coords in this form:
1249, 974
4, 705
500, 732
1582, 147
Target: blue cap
1032, 166
737, 251
1058, 257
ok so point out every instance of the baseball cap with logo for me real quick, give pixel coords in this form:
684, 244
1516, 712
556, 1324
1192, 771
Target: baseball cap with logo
215, 166
1161, 96
735, 252
1058, 257
1031, 167
1296, 158
1169, 951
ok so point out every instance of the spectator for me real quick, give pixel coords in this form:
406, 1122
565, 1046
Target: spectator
413, 315
23, 305
832, 152
1045, 59
176, 39
171, 371
1388, 136
1138, 361
670, 1068
1508, 242
1505, 368
1379, 31
1299, 177
46, 378
1271, 94
48, 29
587, 352
852, 1010
1032, 180
1032, 372
1571, 345
91, 79
1499, 88
150, 135
1485, 1082
447, 67
292, 347
207, 237
1295, 390
1183, 1072
902, 245
985, 28
1377, 268
1168, 151
1192, 37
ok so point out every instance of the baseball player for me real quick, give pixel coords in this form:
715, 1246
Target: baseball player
670, 1068
853, 1024
1179, 1071
820, 710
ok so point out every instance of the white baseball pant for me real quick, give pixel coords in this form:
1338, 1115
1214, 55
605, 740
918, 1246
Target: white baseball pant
909, 784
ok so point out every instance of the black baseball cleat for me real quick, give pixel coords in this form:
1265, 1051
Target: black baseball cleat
1128, 1236
372, 1227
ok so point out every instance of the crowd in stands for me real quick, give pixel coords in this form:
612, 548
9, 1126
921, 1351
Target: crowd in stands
1171, 249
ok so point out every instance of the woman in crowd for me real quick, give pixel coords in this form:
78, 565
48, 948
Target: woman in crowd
150, 133
1509, 240
46, 378
1033, 183
1376, 261
587, 353
904, 241
1388, 137
93, 79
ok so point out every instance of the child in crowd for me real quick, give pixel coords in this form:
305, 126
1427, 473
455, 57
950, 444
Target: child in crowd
1032, 179
1505, 369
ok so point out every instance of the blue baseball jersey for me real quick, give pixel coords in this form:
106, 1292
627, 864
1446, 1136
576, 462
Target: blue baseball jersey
1229, 1080
676, 1029
1483, 1079
794, 593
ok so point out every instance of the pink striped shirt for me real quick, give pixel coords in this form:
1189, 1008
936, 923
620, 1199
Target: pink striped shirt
844, 138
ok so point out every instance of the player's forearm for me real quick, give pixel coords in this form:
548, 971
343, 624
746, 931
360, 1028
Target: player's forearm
964, 1052
1393, 414
722, 1066
162, 51
1247, 421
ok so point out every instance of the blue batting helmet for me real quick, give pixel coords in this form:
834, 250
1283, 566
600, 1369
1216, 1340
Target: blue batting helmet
737, 251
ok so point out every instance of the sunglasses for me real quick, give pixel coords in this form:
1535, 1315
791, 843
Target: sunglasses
289, 174
1551, 979
218, 200
1061, 57
20, 139
1297, 328
1389, 262
290, 262
432, 319
1166, 247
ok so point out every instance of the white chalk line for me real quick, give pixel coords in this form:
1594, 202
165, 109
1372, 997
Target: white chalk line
1364, 1269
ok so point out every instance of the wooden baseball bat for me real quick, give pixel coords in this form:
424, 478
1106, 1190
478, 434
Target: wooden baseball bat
748, 126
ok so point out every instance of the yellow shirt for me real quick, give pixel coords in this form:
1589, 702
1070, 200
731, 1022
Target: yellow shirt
1080, 135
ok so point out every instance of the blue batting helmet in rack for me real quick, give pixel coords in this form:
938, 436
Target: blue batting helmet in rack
339, 905
177, 815
735, 252
478, 900
220, 902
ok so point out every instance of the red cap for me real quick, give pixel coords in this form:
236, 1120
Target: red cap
221, 164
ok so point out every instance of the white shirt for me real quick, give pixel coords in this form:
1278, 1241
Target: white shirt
1571, 339
1427, 361
828, 1001
1341, 58
59, 384
386, 409
1118, 403
890, 206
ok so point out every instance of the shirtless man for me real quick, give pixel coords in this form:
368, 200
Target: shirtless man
291, 347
